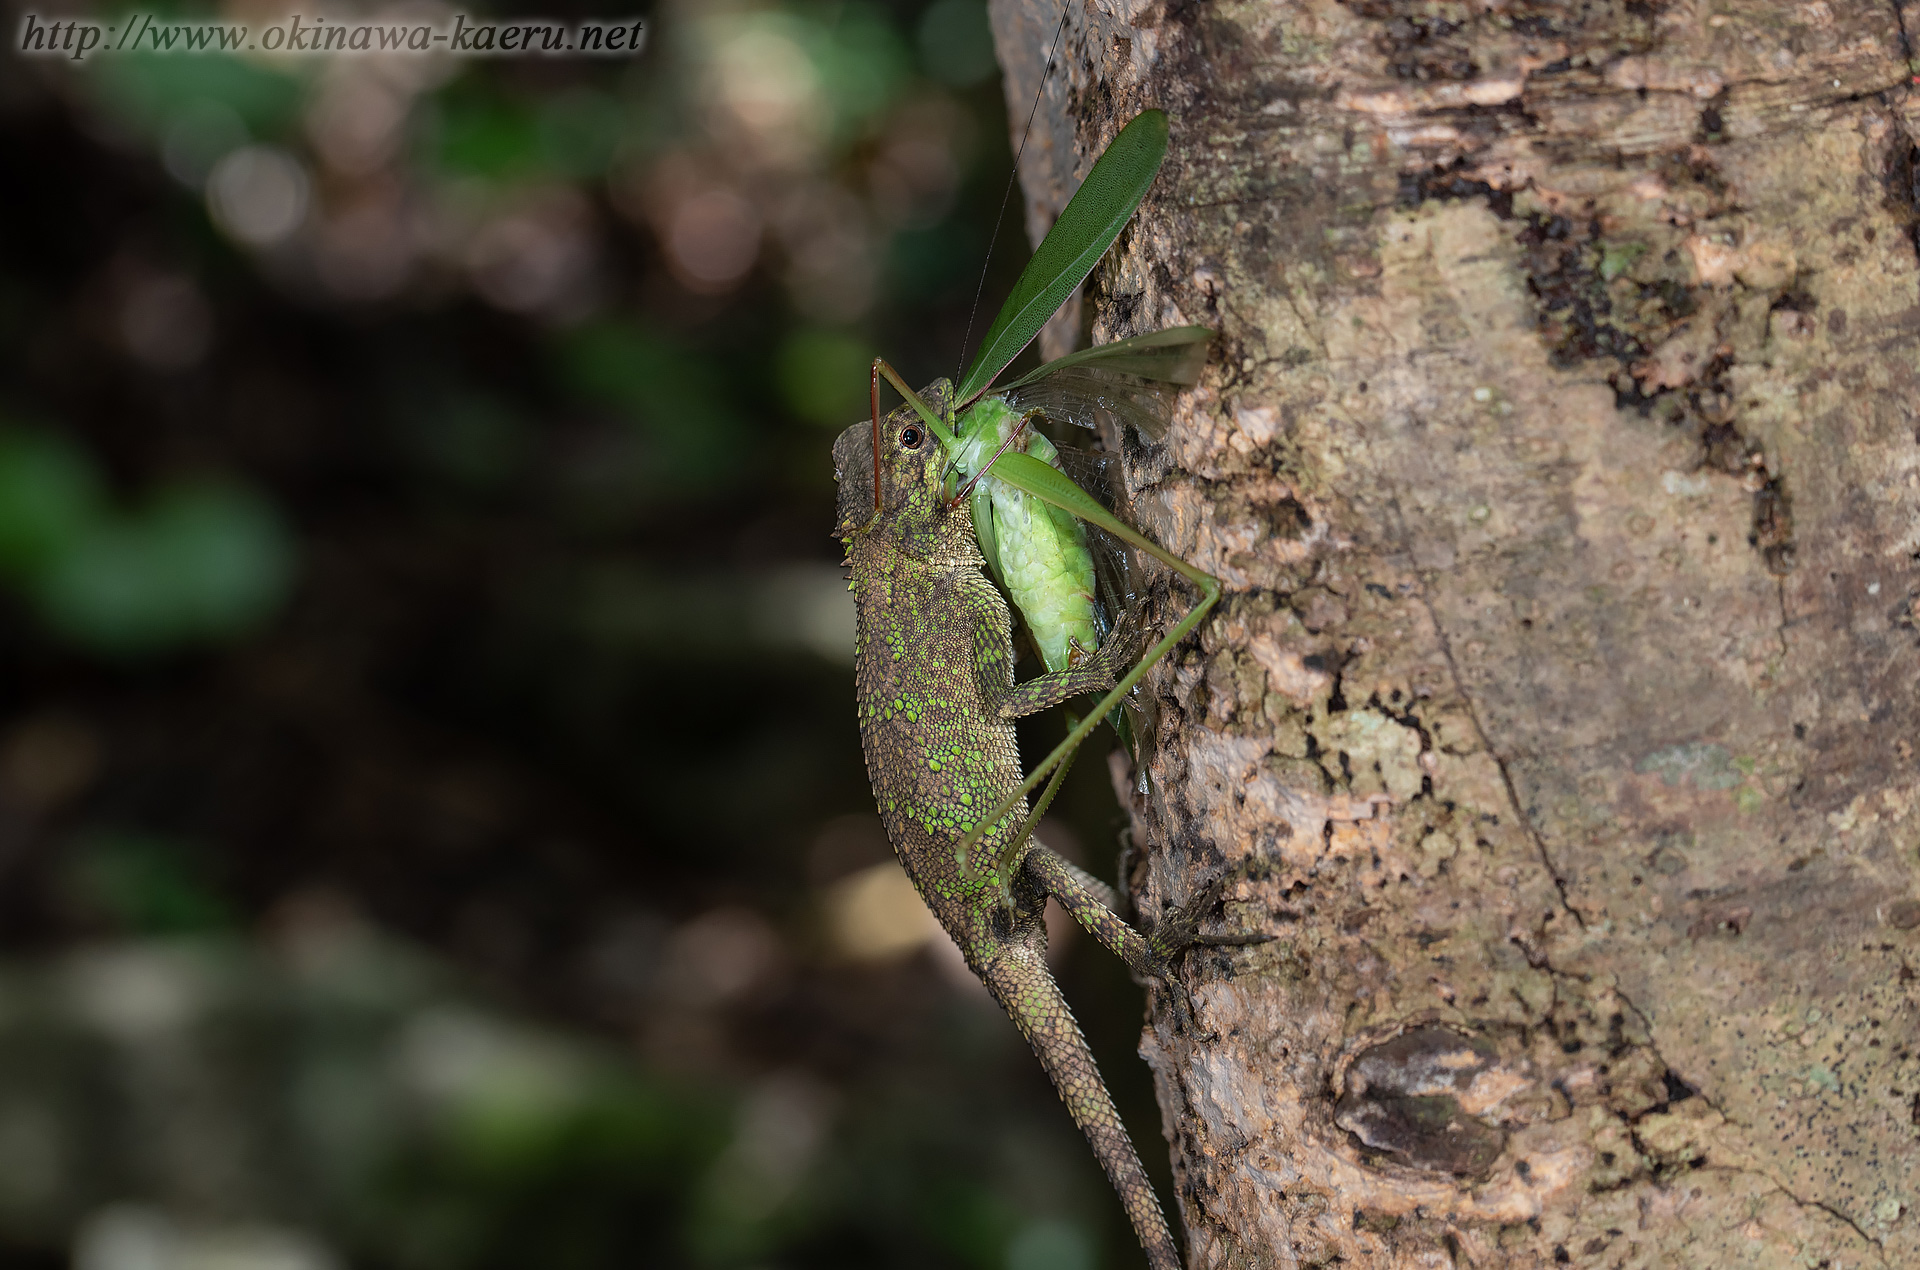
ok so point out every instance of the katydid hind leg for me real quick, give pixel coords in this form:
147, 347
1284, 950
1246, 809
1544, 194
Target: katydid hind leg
1053, 486
1119, 636
1010, 851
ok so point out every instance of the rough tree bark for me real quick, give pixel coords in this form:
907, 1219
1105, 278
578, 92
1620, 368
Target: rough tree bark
1560, 455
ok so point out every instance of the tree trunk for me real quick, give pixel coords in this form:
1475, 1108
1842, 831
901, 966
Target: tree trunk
1559, 453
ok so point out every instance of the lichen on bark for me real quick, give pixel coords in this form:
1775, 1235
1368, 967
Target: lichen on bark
1561, 457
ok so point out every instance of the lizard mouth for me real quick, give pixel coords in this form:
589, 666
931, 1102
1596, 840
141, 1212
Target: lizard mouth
853, 464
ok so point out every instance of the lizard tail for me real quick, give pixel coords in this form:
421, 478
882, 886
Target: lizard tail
1019, 980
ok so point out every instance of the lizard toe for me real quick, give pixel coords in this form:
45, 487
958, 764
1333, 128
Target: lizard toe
1179, 930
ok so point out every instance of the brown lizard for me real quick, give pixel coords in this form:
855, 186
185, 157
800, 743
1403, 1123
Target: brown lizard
933, 665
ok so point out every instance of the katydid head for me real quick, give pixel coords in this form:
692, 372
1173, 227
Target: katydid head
968, 448
907, 454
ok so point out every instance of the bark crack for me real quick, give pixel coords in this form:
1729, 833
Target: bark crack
1879, 1255
1653, 1044
1486, 742
1780, 594
1906, 40
1906, 188
1834, 1213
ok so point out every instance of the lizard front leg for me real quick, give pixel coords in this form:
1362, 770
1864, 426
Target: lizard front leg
1008, 700
1017, 701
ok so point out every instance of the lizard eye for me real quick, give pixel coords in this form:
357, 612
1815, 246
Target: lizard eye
911, 436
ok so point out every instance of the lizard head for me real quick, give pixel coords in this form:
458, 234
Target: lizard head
912, 505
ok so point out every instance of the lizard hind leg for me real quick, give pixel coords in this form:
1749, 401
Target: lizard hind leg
1018, 978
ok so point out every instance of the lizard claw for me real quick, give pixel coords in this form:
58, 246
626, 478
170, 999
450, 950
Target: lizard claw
1116, 650
1179, 931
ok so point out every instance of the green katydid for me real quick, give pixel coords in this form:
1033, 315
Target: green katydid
1028, 513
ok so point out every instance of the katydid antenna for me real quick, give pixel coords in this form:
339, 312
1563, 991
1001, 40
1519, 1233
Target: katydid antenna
1007, 194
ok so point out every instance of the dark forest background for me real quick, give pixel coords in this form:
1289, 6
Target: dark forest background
433, 832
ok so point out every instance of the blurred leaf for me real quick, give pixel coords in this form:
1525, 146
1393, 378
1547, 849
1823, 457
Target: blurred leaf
489, 136
956, 42
50, 496
542, 1151
580, 132
673, 394
207, 561
824, 375
574, 134
146, 885
973, 1222
854, 59
589, 1120
227, 552
150, 93
863, 62
1052, 1244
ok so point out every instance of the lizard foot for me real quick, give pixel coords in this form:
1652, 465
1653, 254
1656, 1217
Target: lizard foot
1116, 651
1179, 931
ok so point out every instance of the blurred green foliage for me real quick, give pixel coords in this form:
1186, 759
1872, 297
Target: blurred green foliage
202, 561
669, 395
154, 93
1051, 1245
484, 135
823, 374
534, 1150
145, 884
50, 497
449, 550
956, 42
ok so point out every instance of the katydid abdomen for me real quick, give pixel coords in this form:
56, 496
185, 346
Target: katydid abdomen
1036, 550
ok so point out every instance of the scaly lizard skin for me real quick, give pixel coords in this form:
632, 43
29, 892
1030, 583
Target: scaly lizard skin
933, 664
